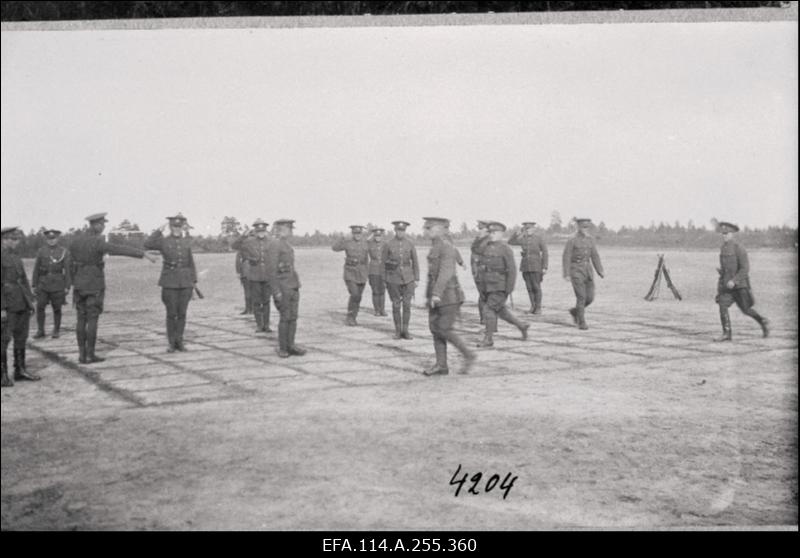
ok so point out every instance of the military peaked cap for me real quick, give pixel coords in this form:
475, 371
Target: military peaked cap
529, 224
725, 227
97, 217
378, 229
496, 226
356, 228
51, 233
8, 231
179, 218
437, 221
401, 225
583, 221
289, 222
260, 223
483, 224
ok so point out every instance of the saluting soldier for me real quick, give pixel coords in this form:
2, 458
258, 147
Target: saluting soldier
356, 253
51, 281
376, 271
285, 288
734, 283
256, 250
497, 275
475, 256
88, 281
580, 254
242, 266
402, 274
17, 306
444, 297
178, 276
533, 264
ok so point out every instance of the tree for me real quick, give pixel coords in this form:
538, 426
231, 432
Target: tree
230, 225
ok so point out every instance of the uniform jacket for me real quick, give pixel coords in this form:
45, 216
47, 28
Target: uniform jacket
475, 254
284, 275
177, 270
375, 249
496, 269
534, 251
400, 261
258, 253
356, 258
579, 251
442, 277
16, 291
87, 251
242, 264
52, 271
734, 265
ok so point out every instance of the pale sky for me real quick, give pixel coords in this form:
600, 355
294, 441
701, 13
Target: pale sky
623, 123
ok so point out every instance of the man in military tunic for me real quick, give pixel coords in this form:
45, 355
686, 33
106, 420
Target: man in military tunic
88, 281
17, 306
356, 252
497, 274
475, 256
580, 254
444, 297
178, 276
242, 266
376, 271
51, 281
734, 283
256, 250
533, 264
285, 289
402, 274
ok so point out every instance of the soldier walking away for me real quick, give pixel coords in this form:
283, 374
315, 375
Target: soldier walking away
242, 266
444, 297
178, 276
355, 269
376, 271
534, 261
402, 274
285, 289
734, 283
580, 254
88, 281
17, 306
475, 256
256, 251
497, 275
52, 278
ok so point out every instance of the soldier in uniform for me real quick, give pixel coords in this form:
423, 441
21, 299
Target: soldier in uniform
356, 252
475, 257
534, 261
51, 281
88, 281
734, 283
256, 250
285, 289
580, 254
402, 274
443, 297
376, 271
17, 306
242, 266
178, 276
497, 275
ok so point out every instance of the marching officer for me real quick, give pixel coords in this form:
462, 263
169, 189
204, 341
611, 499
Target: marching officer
534, 261
376, 271
178, 276
497, 275
443, 297
475, 257
88, 281
356, 252
285, 288
17, 306
256, 250
402, 274
51, 281
734, 283
242, 266
579, 251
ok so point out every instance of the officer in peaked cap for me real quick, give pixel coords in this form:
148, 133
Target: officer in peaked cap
52, 278
475, 255
178, 276
533, 264
17, 306
88, 281
356, 250
734, 282
401, 267
375, 270
580, 255
285, 283
257, 250
242, 266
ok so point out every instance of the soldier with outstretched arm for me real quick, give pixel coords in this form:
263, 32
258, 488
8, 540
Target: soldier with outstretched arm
52, 278
580, 254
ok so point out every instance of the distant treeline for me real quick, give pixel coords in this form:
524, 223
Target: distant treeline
43, 11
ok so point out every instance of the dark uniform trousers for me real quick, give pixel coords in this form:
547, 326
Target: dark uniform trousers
259, 299
176, 302
248, 301
44, 298
497, 274
533, 282
356, 291
378, 286
287, 282
51, 279
88, 307
288, 308
443, 282
583, 286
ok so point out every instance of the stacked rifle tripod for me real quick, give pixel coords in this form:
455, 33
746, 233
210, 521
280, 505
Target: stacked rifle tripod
661, 271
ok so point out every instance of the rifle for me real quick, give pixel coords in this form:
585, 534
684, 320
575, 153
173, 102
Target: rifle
199, 294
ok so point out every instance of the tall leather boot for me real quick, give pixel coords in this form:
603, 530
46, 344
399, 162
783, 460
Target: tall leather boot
351, 313
265, 318
382, 299
180, 326
440, 348
40, 317
80, 333
406, 320
537, 302
56, 323
506, 314
580, 313
532, 297
491, 326
397, 317
283, 339
6, 381
469, 356
20, 371
376, 304
170, 334
292, 347
91, 341
259, 318
725, 319
762, 321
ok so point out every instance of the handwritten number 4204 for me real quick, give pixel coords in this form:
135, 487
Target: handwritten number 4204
505, 486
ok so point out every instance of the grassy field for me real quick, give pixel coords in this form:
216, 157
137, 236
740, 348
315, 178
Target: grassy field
639, 422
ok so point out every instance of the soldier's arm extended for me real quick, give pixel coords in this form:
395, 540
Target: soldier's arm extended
567, 257
415, 262
155, 241
340, 244
743, 269
545, 255
598, 266
447, 269
121, 250
237, 244
511, 269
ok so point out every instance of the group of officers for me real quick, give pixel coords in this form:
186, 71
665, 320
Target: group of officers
265, 262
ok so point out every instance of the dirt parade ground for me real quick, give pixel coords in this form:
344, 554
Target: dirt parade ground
640, 422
